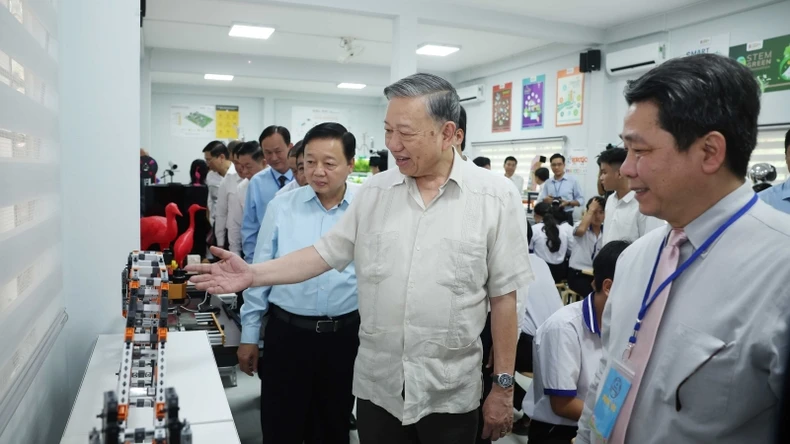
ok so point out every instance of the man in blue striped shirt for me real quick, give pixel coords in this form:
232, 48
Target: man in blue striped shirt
275, 142
311, 335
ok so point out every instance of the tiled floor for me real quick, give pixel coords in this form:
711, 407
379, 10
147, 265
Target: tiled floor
244, 400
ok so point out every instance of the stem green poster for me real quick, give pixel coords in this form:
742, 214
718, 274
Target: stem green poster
769, 60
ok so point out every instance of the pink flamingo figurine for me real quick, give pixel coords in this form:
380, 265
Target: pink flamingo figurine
159, 230
184, 242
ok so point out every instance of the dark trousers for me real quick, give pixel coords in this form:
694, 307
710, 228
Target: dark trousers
579, 282
559, 271
523, 364
488, 343
306, 380
377, 426
545, 433
569, 217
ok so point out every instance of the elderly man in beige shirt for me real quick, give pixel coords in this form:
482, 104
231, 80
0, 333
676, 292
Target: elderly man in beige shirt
434, 242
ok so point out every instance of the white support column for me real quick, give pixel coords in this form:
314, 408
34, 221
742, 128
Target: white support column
145, 101
404, 57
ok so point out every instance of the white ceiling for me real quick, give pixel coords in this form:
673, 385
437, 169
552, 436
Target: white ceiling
595, 13
309, 31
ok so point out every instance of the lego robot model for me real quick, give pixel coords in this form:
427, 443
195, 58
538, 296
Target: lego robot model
141, 379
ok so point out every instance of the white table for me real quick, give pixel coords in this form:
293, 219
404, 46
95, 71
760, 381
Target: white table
192, 372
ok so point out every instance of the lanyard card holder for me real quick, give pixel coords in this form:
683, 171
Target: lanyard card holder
611, 399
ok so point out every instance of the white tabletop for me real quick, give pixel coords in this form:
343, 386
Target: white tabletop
211, 433
192, 372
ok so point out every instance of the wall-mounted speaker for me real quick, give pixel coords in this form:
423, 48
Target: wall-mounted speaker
590, 61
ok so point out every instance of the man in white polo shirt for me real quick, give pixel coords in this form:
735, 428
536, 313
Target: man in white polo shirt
567, 352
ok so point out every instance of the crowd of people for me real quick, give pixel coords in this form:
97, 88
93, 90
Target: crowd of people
422, 292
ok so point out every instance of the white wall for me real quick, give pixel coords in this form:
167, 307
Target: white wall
257, 109
604, 104
479, 115
100, 136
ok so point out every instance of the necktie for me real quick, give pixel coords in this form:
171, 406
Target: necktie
282, 180
646, 338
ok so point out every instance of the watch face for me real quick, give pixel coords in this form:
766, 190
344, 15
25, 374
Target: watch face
504, 380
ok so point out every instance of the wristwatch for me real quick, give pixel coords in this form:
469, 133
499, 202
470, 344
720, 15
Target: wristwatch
504, 380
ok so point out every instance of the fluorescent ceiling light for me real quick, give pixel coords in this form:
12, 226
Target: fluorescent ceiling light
351, 85
224, 77
251, 32
437, 50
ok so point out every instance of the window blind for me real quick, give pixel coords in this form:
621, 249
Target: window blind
31, 301
771, 149
524, 150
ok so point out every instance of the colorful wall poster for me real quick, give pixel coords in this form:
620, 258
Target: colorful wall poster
304, 118
717, 44
500, 116
769, 60
570, 97
193, 121
227, 122
532, 102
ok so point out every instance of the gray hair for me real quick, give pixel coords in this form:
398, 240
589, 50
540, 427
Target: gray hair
441, 98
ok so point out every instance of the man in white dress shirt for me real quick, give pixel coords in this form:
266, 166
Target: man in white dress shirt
511, 163
217, 159
227, 186
251, 162
708, 360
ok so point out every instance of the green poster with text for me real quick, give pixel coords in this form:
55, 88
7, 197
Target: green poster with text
769, 60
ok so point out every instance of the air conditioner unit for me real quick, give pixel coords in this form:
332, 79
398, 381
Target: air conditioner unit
471, 94
635, 60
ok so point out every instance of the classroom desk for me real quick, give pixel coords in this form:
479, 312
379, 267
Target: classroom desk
192, 372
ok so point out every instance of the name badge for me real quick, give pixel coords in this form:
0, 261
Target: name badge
607, 407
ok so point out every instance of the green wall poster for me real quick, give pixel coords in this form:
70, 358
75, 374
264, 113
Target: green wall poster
769, 60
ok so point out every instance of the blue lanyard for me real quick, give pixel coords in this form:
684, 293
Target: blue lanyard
647, 301
277, 182
556, 189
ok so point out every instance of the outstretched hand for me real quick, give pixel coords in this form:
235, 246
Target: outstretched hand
230, 275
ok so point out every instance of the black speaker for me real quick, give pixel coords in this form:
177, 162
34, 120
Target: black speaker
590, 61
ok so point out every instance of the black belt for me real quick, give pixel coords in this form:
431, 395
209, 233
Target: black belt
319, 324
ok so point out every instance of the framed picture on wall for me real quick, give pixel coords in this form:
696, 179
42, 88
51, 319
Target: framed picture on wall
570, 97
502, 105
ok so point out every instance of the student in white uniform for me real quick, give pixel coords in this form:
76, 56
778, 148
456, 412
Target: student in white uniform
540, 300
587, 235
624, 221
567, 350
549, 241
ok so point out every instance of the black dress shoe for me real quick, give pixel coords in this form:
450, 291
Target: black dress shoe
353, 422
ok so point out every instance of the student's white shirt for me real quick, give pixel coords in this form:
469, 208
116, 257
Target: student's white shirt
541, 298
518, 181
566, 352
538, 244
236, 216
623, 219
292, 185
213, 180
584, 249
227, 186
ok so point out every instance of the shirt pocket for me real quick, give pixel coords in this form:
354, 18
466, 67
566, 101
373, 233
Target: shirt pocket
695, 374
448, 370
461, 266
375, 256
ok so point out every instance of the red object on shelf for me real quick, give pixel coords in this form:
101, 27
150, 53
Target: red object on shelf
159, 230
184, 242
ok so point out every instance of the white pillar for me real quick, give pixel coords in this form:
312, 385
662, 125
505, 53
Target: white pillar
404, 56
99, 53
145, 101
